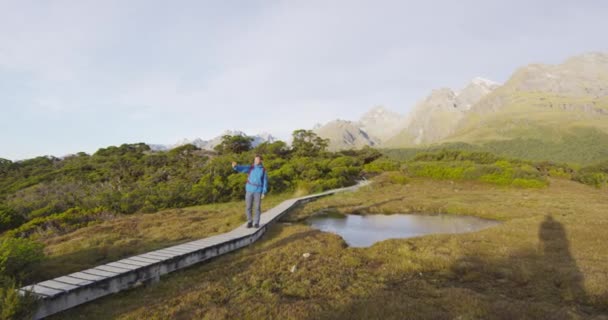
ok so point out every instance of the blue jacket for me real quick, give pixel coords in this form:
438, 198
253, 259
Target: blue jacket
257, 180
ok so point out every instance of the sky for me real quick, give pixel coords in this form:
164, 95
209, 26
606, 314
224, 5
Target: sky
81, 75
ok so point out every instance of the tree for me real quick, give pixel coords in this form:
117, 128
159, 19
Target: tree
234, 144
9, 218
307, 143
17, 255
137, 149
5, 162
277, 148
368, 154
5, 165
185, 149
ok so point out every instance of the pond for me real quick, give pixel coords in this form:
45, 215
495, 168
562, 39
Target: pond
365, 230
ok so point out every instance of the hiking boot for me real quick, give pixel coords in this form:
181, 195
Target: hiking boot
256, 225
248, 224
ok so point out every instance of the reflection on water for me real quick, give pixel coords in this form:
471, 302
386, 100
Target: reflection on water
363, 231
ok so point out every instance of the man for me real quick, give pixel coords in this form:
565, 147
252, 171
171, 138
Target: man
255, 189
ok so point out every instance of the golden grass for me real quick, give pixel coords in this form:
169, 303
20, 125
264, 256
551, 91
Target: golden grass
129, 235
529, 267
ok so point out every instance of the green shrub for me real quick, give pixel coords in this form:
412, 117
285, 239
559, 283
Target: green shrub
499, 179
9, 219
12, 305
442, 171
17, 255
594, 175
304, 187
60, 223
501, 172
457, 155
596, 179
381, 165
38, 194
559, 173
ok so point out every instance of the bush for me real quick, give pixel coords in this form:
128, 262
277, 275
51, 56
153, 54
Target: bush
9, 219
559, 173
59, 223
595, 175
38, 194
501, 172
499, 179
596, 179
308, 187
442, 171
12, 305
381, 165
456, 155
17, 256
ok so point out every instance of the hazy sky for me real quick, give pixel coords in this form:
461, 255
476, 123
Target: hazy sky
79, 75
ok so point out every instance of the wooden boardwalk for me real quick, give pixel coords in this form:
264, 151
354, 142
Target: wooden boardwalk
70, 290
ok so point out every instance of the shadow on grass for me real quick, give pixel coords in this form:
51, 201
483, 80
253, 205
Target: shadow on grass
536, 283
86, 258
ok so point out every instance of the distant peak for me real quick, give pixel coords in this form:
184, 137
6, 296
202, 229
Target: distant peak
378, 109
234, 133
480, 81
379, 113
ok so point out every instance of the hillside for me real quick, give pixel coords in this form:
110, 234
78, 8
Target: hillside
382, 123
580, 146
543, 112
438, 115
543, 102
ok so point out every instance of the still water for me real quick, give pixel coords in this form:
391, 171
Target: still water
363, 231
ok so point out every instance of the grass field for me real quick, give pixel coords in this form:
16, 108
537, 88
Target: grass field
128, 235
547, 260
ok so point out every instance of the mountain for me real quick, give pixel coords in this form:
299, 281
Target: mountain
263, 137
543, 102
438, 115
344, 134
210, 144
382, 123
542, 112
372, 129
548, 106
159, 147
431, 120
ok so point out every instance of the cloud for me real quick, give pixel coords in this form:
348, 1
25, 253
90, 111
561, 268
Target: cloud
158, 71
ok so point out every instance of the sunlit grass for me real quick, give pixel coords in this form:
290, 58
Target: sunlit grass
128, 235
506, 272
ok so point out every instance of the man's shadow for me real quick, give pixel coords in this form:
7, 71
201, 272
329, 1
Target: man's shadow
557, 260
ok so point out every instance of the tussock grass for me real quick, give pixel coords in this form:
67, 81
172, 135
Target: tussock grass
124, 236
547, 260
